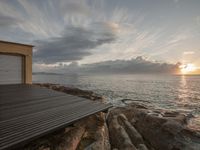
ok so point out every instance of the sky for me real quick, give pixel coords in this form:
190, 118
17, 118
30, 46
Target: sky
69, 33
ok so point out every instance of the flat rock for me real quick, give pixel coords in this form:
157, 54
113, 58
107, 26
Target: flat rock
159, 129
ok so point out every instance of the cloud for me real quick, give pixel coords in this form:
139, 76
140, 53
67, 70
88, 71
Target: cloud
176, 1
74, 7
74, 43
188, 53
198, 20
109, 30
6, 21
135, 65
179, 38
138, 65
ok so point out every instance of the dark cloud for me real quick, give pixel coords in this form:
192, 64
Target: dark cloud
74, 7
137, 65
6, 21
74, 43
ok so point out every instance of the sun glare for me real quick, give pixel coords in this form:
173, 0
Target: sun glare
187, 68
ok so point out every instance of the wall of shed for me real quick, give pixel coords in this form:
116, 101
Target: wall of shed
25, 51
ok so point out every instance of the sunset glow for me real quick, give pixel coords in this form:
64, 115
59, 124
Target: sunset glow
188, 68
121, 36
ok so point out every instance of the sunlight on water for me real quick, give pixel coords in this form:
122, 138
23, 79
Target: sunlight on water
183, 91
189, 102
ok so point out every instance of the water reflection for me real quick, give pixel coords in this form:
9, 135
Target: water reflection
188, 103
183, 81
184, 93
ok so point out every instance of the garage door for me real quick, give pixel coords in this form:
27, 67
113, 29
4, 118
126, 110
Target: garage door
10, 69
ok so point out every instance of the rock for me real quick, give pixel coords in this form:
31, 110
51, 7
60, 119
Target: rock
159, 129
133, 121
71, 139
142, 147
102, 140
166, 132
73, 91
134, 102
44, 148
96, 135
134, 135
172, 127
118, 136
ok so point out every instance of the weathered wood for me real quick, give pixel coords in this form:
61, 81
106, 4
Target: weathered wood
28, 112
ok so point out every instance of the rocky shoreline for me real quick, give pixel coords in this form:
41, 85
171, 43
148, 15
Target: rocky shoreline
133, 127
144, 128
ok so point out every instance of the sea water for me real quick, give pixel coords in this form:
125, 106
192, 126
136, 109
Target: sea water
174, 92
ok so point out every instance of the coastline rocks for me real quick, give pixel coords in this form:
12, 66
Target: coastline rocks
73, 91
71, 138
153, 129
118, 136
122, 134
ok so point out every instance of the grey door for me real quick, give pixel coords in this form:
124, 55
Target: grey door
10, 69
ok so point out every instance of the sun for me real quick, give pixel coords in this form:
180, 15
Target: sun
187, 68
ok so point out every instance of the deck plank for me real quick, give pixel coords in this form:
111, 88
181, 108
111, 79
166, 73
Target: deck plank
28, 112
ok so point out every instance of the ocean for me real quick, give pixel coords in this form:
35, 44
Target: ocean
174, 92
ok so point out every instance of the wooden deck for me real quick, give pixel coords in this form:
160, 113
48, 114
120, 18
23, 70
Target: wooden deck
28, 112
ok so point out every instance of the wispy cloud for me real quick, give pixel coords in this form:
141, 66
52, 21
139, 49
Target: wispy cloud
178, 38
197, 19
176, 1
6, 21
188, 53
99, 30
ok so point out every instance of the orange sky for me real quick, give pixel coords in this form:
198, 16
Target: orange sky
191, 69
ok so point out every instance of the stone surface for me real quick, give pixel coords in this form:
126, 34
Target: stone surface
134, 135
158, 129
142, 147
73, 91
72, 138
118, 136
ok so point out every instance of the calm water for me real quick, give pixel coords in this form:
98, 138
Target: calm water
170, 92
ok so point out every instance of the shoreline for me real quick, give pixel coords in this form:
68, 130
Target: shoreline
134, 127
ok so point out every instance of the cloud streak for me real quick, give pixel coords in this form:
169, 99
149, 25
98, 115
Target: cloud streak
188, 53
6, 21
74, 44
90, 31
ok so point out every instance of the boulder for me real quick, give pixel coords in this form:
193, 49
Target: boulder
150, 128
142, 147
71, 139
134, 135
118, 136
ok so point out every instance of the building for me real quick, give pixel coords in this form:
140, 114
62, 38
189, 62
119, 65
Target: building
15, 63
